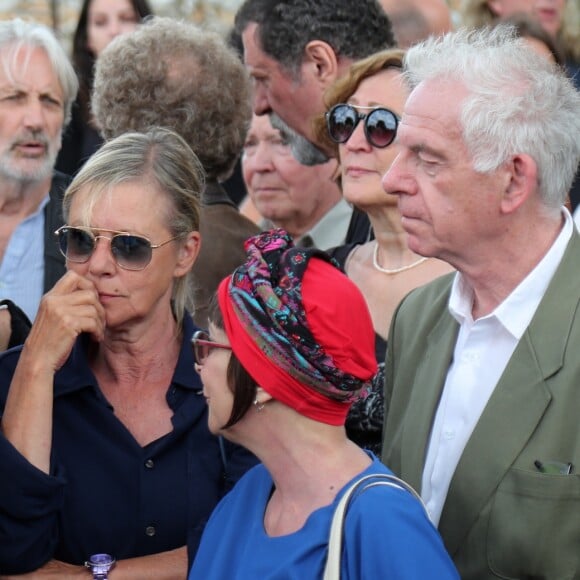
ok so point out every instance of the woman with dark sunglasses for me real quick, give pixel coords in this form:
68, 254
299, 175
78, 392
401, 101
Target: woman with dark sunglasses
290, 347
364, 110
105, 447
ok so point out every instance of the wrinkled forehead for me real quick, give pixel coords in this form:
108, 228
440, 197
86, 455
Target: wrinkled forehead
439, 100
15, 58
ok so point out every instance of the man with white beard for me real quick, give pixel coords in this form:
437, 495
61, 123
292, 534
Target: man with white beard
37, 88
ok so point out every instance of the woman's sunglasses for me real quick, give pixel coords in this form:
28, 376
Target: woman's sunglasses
380, 124
130, 252
203, 345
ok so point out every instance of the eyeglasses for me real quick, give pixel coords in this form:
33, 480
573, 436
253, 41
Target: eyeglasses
130, 252
380, 124
203, 345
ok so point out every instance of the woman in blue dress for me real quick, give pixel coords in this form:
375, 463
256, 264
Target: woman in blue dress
290, 347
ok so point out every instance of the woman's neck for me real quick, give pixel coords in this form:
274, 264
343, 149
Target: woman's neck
134, 355
308, 477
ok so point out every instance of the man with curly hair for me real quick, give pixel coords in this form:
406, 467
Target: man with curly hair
295, 49
174, 74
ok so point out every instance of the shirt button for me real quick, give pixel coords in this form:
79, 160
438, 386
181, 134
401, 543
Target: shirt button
149, 464
449, 434
150, 531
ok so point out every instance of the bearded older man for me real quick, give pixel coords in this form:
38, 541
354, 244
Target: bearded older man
37, 88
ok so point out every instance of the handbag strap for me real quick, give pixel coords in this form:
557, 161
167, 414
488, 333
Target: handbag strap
332, 568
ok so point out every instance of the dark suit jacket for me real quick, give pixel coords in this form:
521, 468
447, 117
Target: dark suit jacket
502, 518
54, 263
223, 232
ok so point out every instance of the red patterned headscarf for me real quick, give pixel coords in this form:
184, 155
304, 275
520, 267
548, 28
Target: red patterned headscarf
299, 326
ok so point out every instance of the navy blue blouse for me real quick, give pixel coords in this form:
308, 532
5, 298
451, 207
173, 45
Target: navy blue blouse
106, 493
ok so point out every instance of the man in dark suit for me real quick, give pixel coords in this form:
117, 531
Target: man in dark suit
482, 371
37, 88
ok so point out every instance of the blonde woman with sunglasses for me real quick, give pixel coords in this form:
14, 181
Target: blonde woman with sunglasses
105, 449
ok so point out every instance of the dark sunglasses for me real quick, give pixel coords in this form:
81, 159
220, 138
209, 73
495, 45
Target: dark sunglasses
380, 124
130, 252
203, 345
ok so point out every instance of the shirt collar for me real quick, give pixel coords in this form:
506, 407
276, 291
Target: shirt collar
330, 230
517, 310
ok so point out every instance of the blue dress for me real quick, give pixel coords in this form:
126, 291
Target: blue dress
387, 535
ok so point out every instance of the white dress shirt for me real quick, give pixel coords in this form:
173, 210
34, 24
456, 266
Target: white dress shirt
482, 352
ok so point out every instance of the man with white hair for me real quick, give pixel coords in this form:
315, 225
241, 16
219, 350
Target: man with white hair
482, 373
37, 88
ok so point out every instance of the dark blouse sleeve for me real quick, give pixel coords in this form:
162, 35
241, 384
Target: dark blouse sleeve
30, 500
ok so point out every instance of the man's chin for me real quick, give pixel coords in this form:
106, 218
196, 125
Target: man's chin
27, 170
307, 153
303, 150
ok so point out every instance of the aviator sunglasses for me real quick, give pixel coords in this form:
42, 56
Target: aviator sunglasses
380, 124
202, 346
131, 252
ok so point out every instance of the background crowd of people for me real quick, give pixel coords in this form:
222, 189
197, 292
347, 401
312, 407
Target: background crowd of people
364, 227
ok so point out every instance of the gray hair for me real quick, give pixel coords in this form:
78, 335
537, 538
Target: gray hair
159, 156
17, 34
173, 74
518, 103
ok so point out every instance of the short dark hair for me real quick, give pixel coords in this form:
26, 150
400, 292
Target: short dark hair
285, 27
240, 382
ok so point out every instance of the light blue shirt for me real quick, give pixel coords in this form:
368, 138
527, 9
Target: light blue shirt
22, 268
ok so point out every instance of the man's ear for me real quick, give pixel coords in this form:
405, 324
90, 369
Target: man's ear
322, 60
521, 182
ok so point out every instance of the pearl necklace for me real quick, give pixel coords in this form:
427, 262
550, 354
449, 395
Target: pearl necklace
394, 270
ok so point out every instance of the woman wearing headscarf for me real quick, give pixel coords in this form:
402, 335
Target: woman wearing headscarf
290, 347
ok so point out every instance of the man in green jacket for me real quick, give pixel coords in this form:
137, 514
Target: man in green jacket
483, 371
